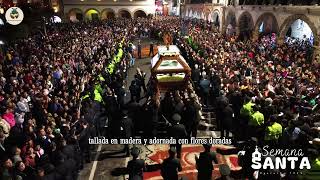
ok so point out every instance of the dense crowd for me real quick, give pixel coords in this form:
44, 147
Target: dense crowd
260, 89
45, 85
58, 90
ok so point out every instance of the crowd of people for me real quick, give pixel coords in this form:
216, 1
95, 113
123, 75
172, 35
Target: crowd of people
259, 89
58, 90
46, 84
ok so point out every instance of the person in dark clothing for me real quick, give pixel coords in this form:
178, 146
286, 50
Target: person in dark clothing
245, 160
151, 49
66, 168
167, 106
6, 172
139, 49
115, 125
43, 140
83, 138
120, 92
222, 102
136, 166
267, 108
191, 120
112, 108
150, 119
205, 87
235, 100
196, 74
19, 173
135, 91
226, 124
112, 104
216, 83
171, 166
204, 163
177, 131
134, 111
22, 172
140, 75
127, 131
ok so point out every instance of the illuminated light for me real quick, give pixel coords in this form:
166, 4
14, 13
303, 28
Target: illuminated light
115, 0
98, 0
81, 0
1, 42
1, 10
130, 0
55, 9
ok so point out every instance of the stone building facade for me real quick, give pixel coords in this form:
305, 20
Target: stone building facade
101, 9
248, 18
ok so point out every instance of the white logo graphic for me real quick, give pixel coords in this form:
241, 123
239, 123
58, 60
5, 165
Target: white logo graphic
14, 16
281, 159
256, 157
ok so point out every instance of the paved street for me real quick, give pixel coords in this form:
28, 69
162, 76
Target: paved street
110, 156
110, 162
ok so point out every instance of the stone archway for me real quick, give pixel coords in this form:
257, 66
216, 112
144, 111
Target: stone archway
245, 25
124, 13
288, 22
231, 23
75, 15
139, 13
270, 25
92, 14
108, 13
216, 18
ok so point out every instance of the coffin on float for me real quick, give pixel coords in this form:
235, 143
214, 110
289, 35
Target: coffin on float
169, 69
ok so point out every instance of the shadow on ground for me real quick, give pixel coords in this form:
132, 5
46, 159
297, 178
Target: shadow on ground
110, 155
120, 171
